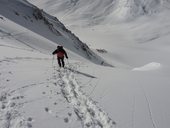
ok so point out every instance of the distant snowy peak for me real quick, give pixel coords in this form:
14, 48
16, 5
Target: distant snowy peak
128, 9
73, 12
91, 12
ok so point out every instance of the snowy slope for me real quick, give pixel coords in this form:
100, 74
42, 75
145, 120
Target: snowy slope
34, 93
134, 94
31, 93
37, 21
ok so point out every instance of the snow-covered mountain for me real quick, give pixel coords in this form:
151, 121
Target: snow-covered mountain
130, 9
36, 93
49, 27
81, 12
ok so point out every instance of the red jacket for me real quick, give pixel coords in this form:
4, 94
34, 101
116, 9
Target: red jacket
60, 53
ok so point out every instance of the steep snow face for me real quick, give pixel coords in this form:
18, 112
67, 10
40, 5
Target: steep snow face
80, 12
86, 11
49, 27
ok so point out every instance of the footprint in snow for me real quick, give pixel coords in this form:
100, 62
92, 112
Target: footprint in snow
55, 84
30, 119
29, 125
18, 98
48, 110
66, 120
55, 103
7, 80
13, 104
58, 93
10, 72
70, 114
3, 106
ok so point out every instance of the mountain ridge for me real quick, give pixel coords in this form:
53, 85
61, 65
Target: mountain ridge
98, 11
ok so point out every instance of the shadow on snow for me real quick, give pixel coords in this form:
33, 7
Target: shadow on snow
81, 73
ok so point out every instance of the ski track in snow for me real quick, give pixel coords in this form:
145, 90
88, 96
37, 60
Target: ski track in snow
149, 109
90, 115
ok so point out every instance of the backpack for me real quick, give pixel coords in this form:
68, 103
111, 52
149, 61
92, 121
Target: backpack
60, 54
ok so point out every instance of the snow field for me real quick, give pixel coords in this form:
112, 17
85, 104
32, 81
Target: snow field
88, 95
85, 108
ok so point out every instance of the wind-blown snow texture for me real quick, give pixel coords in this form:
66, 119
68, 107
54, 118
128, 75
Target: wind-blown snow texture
98, 11
36, 93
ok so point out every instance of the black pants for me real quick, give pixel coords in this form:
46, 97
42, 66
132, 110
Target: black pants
61, 61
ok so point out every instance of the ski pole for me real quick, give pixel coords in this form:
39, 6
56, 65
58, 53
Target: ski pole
67, 62
53, 61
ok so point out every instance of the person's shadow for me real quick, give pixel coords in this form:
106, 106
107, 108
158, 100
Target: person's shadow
81, 73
